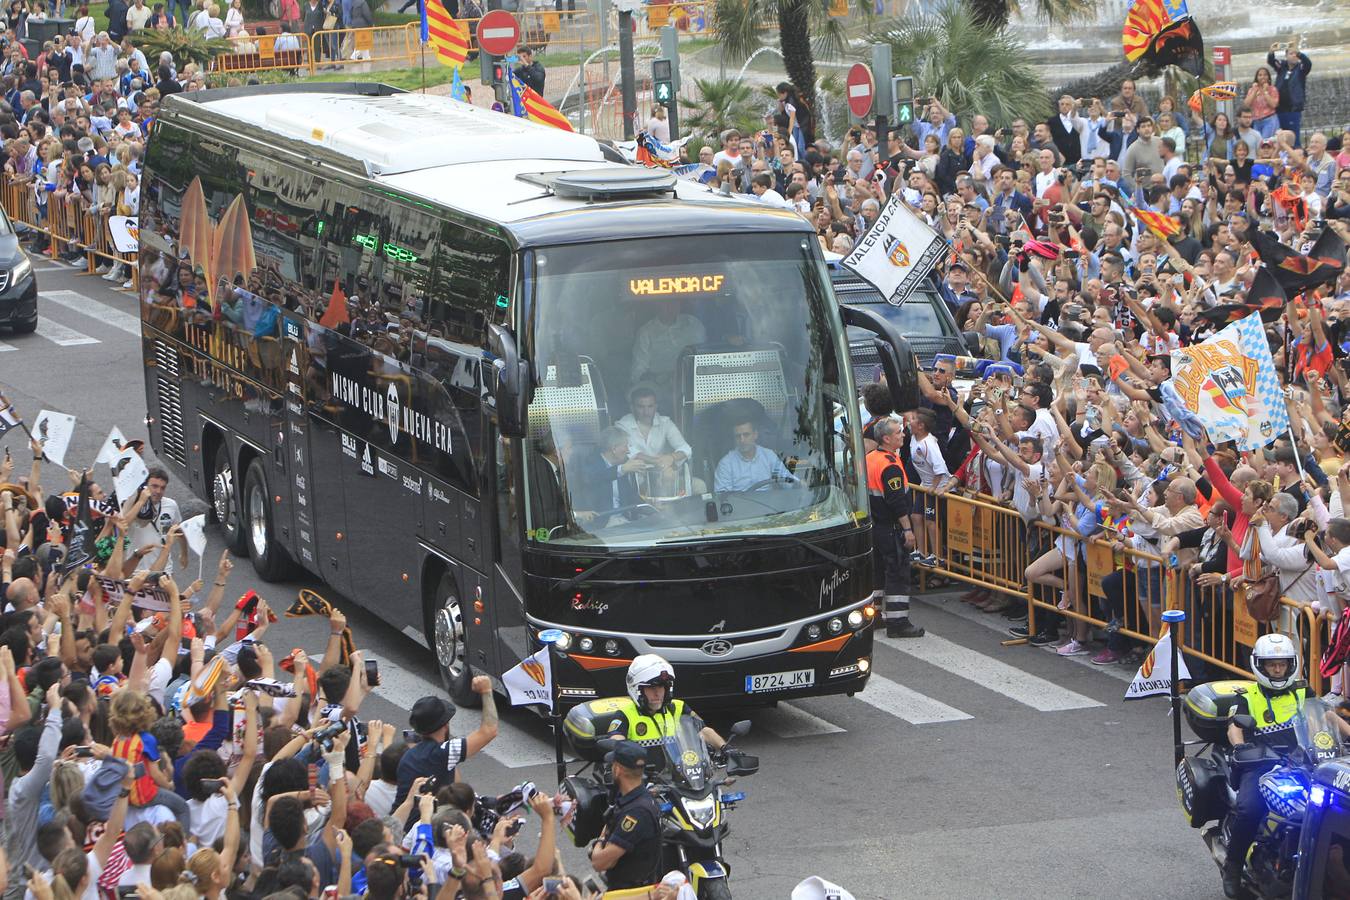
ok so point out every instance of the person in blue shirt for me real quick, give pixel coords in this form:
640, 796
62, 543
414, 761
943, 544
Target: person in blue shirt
1291, 79
748, 464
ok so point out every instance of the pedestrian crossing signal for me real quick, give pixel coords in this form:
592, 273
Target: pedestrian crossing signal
663, 81
902, 92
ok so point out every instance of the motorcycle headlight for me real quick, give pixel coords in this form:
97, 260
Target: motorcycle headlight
700, 812
21, 271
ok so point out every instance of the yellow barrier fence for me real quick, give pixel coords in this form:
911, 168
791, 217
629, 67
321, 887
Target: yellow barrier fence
1088, 584
68, 221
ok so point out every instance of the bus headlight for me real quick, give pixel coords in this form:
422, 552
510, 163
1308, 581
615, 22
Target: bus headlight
855, 619
864, 665
835, 625
563, 641
612, 647
813, 632
585, 645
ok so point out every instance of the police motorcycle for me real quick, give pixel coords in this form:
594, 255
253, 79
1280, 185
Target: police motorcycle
1207, 783
690, 784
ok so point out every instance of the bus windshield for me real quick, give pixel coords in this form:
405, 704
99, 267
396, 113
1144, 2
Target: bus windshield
688, 388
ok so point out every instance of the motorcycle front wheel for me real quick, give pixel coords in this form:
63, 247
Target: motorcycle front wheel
714, 889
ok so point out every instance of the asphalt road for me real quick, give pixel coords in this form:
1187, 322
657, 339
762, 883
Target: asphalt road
967, 769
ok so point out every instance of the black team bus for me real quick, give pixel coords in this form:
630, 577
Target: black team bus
486, 379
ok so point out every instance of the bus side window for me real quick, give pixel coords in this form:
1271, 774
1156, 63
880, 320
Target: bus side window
471, 283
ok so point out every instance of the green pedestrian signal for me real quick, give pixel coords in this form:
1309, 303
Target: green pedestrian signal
902, 93
906, 113
663, 81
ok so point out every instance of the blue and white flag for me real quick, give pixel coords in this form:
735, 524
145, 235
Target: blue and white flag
457, 88
1230, 383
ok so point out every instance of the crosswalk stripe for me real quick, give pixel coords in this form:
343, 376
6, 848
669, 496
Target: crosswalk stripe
61, 335
5, 348
95, 309
910, 705
1025, 688
788, 721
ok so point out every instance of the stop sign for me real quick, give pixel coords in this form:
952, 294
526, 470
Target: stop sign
498, 32
861, 90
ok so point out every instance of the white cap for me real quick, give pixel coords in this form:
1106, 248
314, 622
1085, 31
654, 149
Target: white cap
817, 888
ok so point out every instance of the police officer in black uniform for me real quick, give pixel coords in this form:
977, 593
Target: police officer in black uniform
628, 851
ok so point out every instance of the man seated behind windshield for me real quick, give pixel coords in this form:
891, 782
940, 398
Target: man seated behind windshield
601, 478
653, 438
748, 464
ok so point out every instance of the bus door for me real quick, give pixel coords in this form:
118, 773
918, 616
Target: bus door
331, 451
507, 536
295, 446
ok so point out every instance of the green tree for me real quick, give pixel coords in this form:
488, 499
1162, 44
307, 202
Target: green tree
723, 103
968, 66
996, 13
805, 31
186, 46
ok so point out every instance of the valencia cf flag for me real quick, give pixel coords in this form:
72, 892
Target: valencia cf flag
1296, 272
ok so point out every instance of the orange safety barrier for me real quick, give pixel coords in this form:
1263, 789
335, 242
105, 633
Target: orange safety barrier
1091, 585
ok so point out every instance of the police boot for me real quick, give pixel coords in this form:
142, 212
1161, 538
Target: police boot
904, 629
1232, 877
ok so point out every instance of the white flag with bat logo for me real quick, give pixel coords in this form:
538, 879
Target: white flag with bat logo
897, 252
531, 680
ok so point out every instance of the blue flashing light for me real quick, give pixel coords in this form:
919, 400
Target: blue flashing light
550, 636
666, 807
1318, 795
1288, 787
733, 797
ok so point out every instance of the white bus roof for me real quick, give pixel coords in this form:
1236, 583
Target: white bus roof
404, 132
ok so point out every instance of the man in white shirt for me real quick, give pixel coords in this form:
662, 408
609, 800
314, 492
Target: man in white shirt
157, 516
926, 454
660, 341
652, 437
1285, 551
1047, 176
137, 16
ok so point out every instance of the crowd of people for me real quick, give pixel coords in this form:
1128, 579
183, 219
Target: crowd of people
155, 743
1083, 252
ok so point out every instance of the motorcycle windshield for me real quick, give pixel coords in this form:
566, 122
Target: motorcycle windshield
1317, 733
686, 756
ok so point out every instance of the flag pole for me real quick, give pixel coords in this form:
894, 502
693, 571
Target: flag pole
1174, 618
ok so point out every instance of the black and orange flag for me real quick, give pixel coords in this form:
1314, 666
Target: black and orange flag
308, 603
1297, 272
1264, 296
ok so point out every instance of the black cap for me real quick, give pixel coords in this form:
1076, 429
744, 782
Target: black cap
958, 264
430, 713
627, 754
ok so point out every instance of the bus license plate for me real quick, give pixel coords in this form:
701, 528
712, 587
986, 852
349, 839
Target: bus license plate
780, 681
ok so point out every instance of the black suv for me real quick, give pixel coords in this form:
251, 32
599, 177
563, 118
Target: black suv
18, 284
923, 319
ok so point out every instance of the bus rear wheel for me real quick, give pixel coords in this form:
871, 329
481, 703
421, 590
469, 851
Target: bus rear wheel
225, 502
448, 643
269, 557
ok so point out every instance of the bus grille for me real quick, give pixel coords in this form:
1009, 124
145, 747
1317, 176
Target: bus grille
170, 403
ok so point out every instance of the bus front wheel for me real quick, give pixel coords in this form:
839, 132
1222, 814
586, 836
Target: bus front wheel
449, 643
269, 558
224, 500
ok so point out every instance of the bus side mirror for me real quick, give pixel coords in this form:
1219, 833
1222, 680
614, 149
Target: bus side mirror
897, 360
511, 382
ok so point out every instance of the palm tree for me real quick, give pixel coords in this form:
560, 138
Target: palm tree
966, 65
722, 103
996, 13
742, 24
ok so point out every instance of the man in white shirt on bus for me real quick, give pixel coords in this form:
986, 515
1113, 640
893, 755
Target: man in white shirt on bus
655, 438
660, 340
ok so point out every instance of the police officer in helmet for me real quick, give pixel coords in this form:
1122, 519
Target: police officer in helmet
1274, 706
655, 713
628, 850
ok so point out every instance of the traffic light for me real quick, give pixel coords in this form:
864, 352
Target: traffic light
663, 82
501, 80
902, 94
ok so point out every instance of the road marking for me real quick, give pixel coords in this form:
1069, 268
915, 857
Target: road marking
61, 335
94, 309
900, 701
1025, 688
513, 747
788, 721
5, 348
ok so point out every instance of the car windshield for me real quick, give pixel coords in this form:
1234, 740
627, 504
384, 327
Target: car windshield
687, 388
916, 316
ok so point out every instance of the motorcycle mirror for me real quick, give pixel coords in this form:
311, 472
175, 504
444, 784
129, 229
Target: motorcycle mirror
741, 728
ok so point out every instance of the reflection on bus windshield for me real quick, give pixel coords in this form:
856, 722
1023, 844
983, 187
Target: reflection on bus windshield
675, 400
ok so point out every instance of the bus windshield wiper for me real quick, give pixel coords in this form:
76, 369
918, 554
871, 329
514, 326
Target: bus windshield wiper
586, 574
724, 538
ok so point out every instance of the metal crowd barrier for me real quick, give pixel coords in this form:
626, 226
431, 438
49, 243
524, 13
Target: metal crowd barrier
69, 222
988, 545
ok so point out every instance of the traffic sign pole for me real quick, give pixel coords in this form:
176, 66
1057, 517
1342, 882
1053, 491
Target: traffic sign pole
881, 70
670, 49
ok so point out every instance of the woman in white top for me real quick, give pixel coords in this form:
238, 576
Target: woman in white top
85, 27
234, 19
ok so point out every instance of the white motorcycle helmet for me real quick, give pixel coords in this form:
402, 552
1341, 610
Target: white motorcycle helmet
649, 669
1271, 647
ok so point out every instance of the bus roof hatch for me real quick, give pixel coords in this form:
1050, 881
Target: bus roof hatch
617, 182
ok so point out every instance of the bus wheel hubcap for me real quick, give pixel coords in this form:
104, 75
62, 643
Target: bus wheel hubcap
221, 488
257, 520
450, 638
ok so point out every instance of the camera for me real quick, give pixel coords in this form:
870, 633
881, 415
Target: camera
372, 673
213, 785
1300, 527
153, 578
324, 737
84, 752
411, 737
553, 887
